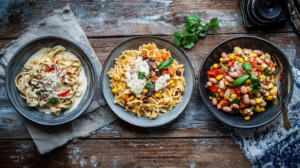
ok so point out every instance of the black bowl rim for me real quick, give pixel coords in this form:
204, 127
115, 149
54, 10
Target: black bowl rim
289, 96
89, 99
146, 36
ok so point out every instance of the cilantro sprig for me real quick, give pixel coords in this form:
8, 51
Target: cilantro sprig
193, 29
52, 100
149, 85
141, 75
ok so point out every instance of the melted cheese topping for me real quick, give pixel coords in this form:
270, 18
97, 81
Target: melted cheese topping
162, 82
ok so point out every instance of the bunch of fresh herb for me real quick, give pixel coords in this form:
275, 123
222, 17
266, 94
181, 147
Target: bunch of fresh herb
193, 29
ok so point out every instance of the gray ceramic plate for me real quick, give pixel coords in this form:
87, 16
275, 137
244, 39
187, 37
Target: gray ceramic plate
176, 54
272, 111
16, 64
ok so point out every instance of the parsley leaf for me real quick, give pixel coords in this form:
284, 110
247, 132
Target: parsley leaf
193, 29
123, 57
52, 100
141, 75
149, 85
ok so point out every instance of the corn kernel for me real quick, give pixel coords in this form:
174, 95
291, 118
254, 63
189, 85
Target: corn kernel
210, 97
131, 97
269, 97
226, 83
257, 108
231, 56
221, 60
248, 81
158, 95
241, 60
254, 55
215, 65
250, 89
237, 58
271, 91
262, 109
247, 118
171, 81
145, 90
272, 80
233, 96
114, 90
120, 84
219, 77
258, 100
262, 77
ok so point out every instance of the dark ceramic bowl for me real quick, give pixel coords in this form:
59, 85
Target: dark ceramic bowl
237, 120
16, 64
176, 54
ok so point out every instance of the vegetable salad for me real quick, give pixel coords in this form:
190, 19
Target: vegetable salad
242, 82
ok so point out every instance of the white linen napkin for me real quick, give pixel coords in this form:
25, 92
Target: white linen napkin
62, 23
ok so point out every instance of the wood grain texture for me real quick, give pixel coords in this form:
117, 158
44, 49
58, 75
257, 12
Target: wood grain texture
190, 124
128, 17
198, 152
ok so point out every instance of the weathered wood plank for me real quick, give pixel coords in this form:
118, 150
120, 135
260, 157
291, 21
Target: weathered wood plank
198, 152
190, 124
124, 18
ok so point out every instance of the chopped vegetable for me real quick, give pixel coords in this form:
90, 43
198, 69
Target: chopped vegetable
149, 85
52, 100
63, 94
213, 88
141, 75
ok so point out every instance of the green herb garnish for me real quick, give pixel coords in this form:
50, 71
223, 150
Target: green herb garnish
52, 100
165, 64
149, 85
235, 101
255, 84
247, 67
141, 75
123, 57
193, 29
39, 94
239, 81
268, 69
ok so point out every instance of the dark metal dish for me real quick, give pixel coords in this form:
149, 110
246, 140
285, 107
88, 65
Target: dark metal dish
15, 66
272, 111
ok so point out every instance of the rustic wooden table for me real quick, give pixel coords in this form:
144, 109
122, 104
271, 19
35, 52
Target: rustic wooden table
195, 139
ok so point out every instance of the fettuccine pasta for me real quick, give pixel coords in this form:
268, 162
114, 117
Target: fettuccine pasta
52, 80
147, 81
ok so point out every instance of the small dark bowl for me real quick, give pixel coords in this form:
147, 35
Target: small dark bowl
177, 54
16, 64
237, 120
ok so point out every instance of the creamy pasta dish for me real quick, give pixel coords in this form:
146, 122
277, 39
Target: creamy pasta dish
52, 80
147, 81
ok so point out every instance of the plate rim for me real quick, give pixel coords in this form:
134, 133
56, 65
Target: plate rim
65, 121
288, 98
159, 38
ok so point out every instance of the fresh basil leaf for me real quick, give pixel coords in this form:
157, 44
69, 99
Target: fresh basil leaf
255, 84
247, 67
141, 75
239, 81
235, 101
165, 64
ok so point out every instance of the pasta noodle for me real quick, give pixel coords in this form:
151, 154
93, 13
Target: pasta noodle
52, 80
157, 101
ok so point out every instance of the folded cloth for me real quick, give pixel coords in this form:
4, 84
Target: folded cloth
62, 23
271, 145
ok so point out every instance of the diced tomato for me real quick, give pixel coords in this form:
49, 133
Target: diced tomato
281, 76
56, 62
242, 104
223, 69
50, 69
229, 64
142, 97
126, 98
237, 55
213, 88
154, 78
71, 73
63, 94
237, 90
62, 79
221, 94
254, 64
211, 73
224, 102
165, 71
172, 71
164, 57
